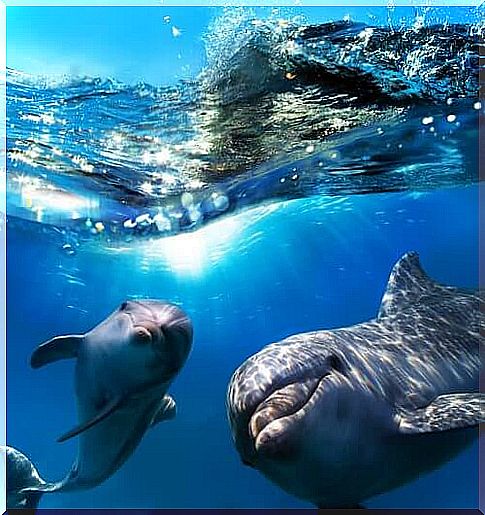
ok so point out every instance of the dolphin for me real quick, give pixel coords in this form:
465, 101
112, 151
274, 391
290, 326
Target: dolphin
123, 370
21, 473
335, 417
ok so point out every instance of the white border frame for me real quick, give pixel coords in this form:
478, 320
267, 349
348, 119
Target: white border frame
247, 3
161, 3
3, 255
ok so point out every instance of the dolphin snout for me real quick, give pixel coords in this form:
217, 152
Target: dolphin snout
271, 395
178, 332
284, 402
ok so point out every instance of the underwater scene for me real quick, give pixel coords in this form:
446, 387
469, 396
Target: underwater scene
243, 257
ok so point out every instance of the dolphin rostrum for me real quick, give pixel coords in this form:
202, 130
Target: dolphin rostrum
335, 417
123, 370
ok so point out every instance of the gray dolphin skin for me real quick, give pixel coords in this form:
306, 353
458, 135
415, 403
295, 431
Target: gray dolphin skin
336, 417
124, 367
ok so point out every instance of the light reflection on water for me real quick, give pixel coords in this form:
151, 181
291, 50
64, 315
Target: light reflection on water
283, 110
194, 253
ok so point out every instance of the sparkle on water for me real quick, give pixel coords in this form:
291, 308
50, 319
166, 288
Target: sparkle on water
160, 161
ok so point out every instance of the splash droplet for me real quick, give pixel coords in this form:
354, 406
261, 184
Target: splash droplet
187, 200
146, 187
99, 226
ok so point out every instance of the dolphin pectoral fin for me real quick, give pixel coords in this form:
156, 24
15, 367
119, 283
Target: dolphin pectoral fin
446, 412
166, 411
40, 489
60, 347
105, 412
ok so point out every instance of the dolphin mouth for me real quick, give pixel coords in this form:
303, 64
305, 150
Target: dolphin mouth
274, 417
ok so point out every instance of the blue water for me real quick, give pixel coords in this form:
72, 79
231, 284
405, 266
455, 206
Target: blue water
255, 275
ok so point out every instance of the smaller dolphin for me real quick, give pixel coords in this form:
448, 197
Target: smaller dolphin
123, 370
336, 417
21, 474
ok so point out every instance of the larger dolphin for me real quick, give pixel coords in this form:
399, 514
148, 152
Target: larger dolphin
335, 417
123, 370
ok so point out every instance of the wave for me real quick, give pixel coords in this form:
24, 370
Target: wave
281, 111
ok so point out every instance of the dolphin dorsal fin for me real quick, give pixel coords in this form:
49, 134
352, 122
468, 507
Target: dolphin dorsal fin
406, 284
60, 347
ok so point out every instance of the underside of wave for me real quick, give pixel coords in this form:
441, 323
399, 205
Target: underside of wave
338, 109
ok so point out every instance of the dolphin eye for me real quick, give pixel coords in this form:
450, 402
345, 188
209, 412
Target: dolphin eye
142, 335
123, 306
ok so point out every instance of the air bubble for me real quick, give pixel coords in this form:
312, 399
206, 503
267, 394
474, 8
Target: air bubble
68, 249
220, 201
187, 200
194, 214
162, 222
143, 219
129, 224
